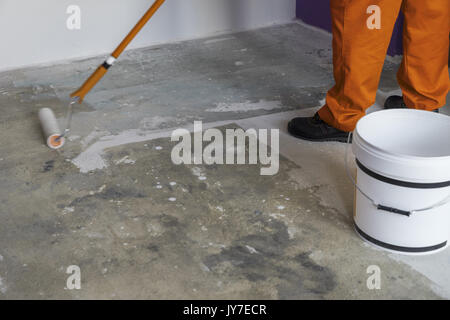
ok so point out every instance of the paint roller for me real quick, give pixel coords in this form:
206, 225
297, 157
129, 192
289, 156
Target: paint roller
54, 138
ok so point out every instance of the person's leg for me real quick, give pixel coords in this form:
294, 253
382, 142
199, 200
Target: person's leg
358, 58
423, 75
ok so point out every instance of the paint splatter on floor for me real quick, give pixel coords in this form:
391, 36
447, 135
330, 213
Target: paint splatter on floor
246, 106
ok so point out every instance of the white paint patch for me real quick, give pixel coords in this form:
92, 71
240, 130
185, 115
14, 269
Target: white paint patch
3, 287
204, 267
217, 245
198, 172
322, 103
92, 158
251, 250
218, 40
126, 160
68, 210
292, 231
277, 215
100, 190
73, 138
246, 106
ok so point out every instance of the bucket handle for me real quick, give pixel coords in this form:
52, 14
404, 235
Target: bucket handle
378, 205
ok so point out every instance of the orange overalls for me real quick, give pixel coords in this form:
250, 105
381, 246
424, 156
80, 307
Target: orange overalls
359, 53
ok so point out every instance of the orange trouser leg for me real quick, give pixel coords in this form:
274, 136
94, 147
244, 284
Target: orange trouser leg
358, 58
423, 75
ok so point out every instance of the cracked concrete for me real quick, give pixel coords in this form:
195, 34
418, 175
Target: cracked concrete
141, 227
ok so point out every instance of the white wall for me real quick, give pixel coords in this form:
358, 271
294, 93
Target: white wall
34, 31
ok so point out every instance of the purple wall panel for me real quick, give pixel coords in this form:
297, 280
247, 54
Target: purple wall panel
317, 13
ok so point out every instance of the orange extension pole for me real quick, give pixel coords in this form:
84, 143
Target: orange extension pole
101, 70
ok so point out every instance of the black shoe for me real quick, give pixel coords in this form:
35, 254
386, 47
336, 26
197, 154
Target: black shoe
396, 102
315, 129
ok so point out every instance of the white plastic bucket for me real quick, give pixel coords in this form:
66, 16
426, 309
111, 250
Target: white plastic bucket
402, 197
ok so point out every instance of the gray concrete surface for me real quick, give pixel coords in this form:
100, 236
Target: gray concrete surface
142, 227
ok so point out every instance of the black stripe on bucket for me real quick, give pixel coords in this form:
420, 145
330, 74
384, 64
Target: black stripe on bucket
400, 183
399, 248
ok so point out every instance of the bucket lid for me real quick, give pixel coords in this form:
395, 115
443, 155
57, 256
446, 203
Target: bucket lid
405, 144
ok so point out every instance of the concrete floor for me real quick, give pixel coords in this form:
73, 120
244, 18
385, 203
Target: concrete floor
112, 202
